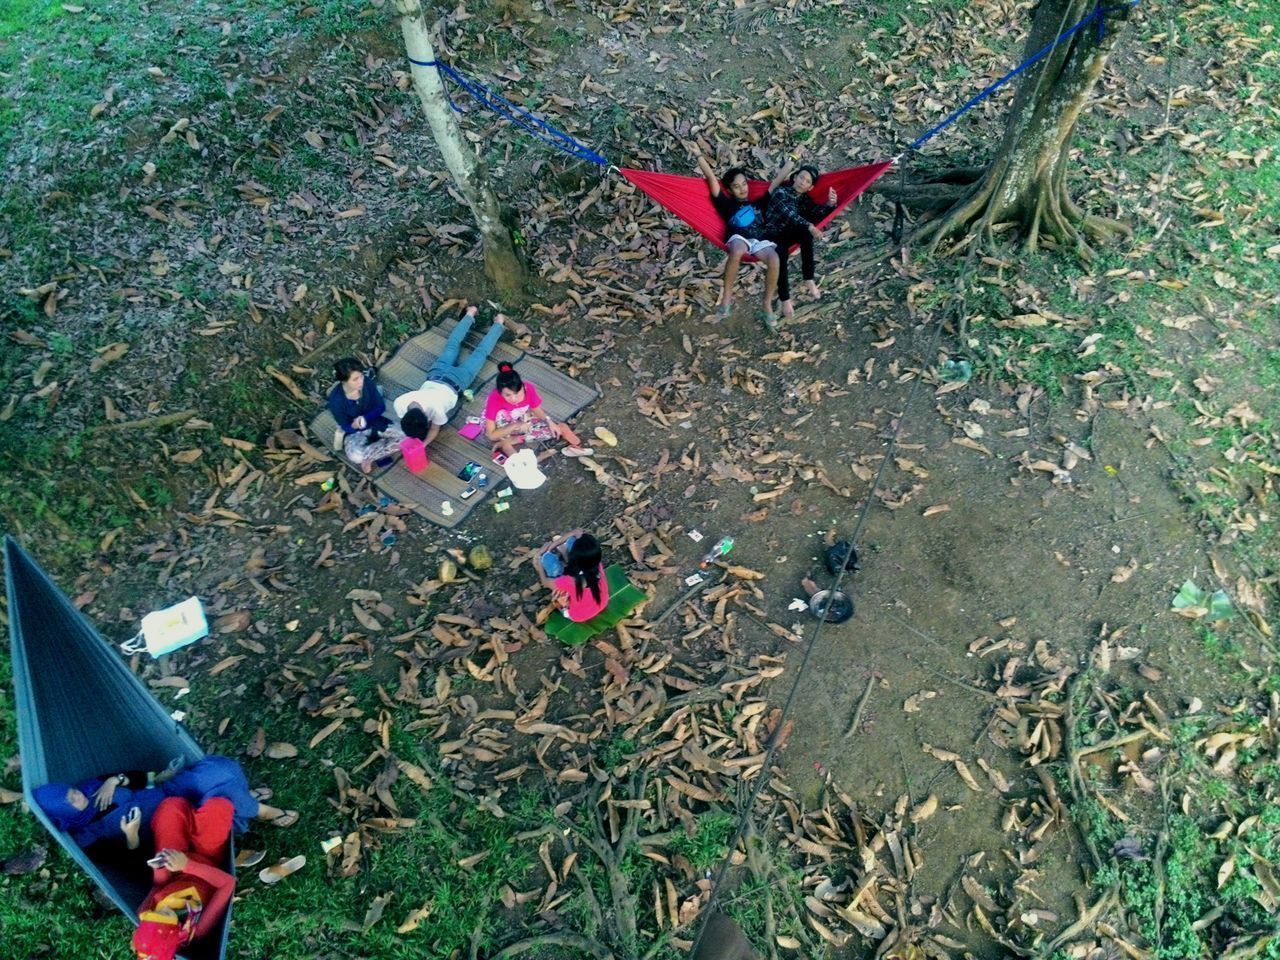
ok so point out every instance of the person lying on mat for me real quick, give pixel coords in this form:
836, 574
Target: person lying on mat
743, 232
513, 414
424, 411
580, 589
189, 891
356, 403
791, 218
120, 806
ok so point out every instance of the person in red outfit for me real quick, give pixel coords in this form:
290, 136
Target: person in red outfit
189, 893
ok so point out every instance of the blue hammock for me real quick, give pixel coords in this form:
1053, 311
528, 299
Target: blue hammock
82, 712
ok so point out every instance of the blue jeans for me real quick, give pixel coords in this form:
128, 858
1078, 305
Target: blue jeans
553, 563
448, 369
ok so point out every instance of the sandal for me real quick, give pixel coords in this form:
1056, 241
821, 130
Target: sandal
286, 819
262, 794
724, 309
768, 318
577, 451
285, 868
249, 858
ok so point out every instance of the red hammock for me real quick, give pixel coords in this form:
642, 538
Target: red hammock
688, 198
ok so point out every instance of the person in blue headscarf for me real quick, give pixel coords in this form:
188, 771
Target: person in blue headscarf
120, 807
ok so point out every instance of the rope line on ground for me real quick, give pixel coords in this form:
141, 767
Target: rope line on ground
747, 814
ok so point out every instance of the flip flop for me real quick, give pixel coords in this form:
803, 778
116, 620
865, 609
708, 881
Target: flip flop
577, 451
724, 309
606, 437
285, 868
249, 858
262, 794
769, 320
286, 819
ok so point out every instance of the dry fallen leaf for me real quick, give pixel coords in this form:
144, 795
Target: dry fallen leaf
279, 750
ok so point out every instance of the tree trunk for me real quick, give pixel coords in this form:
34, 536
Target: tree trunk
1025, 184
502, 263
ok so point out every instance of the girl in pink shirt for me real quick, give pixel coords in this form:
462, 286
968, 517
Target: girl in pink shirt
581, 591
513, 414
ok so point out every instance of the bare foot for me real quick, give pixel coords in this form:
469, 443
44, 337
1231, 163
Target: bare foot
813, 290
366, 467
500, 319
788, 308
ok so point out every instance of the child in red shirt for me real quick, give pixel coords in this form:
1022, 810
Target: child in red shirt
189, 892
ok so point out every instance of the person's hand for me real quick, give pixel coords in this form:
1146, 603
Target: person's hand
831, 196
103, 796
560, 597
174, 860
816, 231
130, 823
359, 423
788, 166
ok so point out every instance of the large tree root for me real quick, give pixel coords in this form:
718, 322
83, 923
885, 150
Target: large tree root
1052, 216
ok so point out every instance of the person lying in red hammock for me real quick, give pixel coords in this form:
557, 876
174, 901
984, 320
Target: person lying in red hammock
743, 233
790, 219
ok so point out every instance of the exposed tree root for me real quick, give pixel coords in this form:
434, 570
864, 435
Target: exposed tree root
1051, 216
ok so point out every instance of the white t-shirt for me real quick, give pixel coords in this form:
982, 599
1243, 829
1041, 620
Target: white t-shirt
436, 400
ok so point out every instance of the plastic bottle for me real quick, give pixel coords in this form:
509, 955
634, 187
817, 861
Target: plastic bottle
723, 546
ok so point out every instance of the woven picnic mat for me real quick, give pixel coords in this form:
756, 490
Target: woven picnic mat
426, 492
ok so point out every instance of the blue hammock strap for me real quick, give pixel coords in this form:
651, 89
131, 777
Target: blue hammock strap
531, 124
1096, 16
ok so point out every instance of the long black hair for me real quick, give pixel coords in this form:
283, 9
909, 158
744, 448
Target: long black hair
507, 378
583, 564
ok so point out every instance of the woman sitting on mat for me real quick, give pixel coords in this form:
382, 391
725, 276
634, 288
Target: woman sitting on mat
356, 403
579, 588
791, 218
513, 414
189, 890
121, 806
743, 232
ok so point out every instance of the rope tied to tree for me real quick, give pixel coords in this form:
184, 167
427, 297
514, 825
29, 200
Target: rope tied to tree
1096, 16
535, 126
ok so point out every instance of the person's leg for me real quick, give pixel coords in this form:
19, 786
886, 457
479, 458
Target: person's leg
784, 284
771, 264
449, 355
172, 824
807, 266
567, 435
358, 450
734, 258
469, 368
211, 827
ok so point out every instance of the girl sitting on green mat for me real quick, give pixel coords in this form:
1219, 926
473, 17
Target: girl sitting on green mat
571, 568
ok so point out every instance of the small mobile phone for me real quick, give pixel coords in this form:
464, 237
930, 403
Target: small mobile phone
156, 861
468, 492
499, 458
